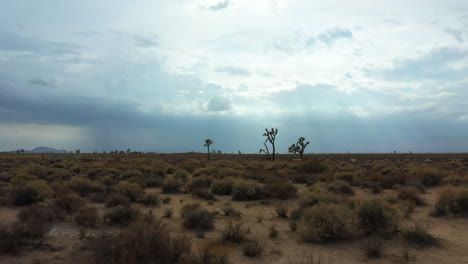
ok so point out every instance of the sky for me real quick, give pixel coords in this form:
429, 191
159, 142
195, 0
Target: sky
163, 76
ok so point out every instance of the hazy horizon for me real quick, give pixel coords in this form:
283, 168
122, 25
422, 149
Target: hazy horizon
163, 76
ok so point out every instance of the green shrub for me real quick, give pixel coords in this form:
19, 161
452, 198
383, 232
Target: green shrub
199, 182
427, 175
84, 186
352, 177
418, 236
318, 195
340, 187
87, 216
410, 193
171, 185
146, 242
148, 199
310, 166
69, 202
235, 232
203, 194
282, 191
25, 195
453, 200
388, 181
328, 222
196, 217
117, 199
222, 187
36, 221
243, 190
253, 248
130, 190
378, 216
121, 215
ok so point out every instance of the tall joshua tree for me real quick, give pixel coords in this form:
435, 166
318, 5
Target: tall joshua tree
208, 142
271, 136
299, 147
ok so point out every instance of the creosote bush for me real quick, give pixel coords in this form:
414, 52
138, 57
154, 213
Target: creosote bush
121, 215
69, 202
411, 193
222, 187
171, 185
244, 190
131, 190
340, 187
235, 232
253, 248
328, 222
195, 217
117, 199
452, 200
87, 217
376, 216
317, 195
282, 191
142, 242
418, 236
36, 221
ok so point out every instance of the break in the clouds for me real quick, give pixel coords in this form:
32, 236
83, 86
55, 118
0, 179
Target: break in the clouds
359, 76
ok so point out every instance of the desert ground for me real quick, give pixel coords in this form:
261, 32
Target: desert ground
233, 208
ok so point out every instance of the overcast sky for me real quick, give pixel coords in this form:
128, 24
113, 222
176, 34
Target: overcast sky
150, 75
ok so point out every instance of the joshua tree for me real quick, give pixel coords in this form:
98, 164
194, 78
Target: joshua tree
208, 142
271, 136
299, 147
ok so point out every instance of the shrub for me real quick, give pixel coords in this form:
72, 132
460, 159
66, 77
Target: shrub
353, 178
317, 195
303, 178
229, 210
253, 248
340, 187
372, 248
11, 239
209, 253
222, 187
412, 194
84, 186
199, 182
36, 221
25, 195
377, 216
419, 237
272, 231
235, 232
121, 215
310, 166
69, 202
148, 199
168, 212
171, 185
131, 190
280, 190
182, 175
244, 190
428, 176
453, 200
327, 222
117, 199
282, 211
42, 188
203, 194
197, 218
389, 180
87, 217
142, 243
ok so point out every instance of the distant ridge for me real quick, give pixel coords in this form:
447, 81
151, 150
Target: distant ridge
42, 150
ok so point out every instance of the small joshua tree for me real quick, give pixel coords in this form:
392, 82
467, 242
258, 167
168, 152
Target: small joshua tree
299, 147
271, 136
208, 142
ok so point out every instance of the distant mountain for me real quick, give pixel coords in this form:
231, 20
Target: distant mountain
43, 150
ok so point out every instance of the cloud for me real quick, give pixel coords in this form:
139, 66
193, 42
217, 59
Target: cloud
456, 34
219, 6
42, 82
219, 104
13, 42
436, 65
330, 36
233, 70
146, 42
